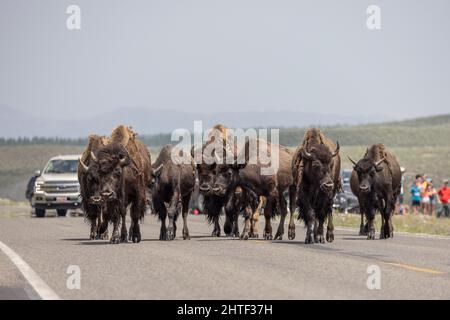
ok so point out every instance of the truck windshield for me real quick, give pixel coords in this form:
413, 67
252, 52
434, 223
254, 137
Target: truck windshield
62, 166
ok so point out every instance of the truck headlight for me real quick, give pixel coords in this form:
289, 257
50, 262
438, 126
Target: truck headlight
38, 186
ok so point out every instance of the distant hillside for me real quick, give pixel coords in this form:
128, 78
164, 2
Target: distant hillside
14, 123
430, 131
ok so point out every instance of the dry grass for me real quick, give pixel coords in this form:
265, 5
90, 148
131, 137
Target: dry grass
410, 223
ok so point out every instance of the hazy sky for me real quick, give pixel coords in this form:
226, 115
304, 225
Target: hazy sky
211, 55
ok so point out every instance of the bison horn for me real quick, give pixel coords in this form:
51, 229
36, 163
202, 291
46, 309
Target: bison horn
306, 154
351, 160
379, 162
158, 169
94, 158
336, 152
85, 167
124, 161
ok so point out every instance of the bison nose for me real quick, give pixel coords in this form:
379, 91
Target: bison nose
96, 199
327, 186
218, 190
107, 194
364, 188
205, 187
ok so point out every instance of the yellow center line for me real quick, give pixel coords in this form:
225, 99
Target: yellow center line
413, 268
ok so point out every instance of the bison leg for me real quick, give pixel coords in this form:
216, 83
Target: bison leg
94, 229
185, 208
103, 229
310, 226
115, 238
267, 215
172, 213
283, 207
123, 230
318, 230
387, 228
370, 222
254, 227
216, 230
137, 211
291, 230
247, 224
330, 227
362, 227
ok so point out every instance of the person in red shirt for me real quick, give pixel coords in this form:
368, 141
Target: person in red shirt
444, 197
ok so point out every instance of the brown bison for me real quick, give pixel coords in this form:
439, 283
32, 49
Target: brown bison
213, 202
89, 184
316, 167
174, 184
260, 185
124, 173
376, 181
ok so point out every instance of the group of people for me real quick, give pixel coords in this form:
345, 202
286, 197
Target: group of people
425, 197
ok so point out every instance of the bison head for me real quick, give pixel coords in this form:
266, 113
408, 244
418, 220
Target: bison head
366, 170
90, 187
318, 166
111, 160
227, 177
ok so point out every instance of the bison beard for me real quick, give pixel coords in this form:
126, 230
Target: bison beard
376, 181
316, 169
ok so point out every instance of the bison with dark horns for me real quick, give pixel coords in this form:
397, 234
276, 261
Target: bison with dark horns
376, 181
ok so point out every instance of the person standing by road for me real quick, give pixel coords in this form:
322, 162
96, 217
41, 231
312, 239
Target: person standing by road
416, 197
432, 194
444, 198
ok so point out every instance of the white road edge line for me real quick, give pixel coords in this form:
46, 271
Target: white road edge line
41, 288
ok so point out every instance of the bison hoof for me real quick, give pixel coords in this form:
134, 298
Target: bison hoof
291, 235
330, 237
309, 239
371, 236
319, 239
244, 236
104, 236
136, 238
362, 232
114, 240
254, 235
278, 237
268, 237
124, 238
186, 237
215, 234
92, 236
170, 235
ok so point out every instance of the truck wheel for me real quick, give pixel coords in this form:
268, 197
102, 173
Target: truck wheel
61, 212
40, 213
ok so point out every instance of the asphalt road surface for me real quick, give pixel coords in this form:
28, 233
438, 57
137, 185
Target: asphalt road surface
36, 255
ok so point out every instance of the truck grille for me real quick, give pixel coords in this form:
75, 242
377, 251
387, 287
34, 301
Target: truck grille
60, 187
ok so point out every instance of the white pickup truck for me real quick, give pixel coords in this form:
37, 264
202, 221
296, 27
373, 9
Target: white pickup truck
57, 186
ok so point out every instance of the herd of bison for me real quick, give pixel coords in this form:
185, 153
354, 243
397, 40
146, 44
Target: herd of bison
116, 173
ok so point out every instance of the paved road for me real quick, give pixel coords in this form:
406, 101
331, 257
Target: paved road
218, 268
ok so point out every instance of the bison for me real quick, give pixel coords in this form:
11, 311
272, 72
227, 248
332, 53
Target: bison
124, 173
214, 203
259, 185
376, 181
173, 187
89, 184
316, 166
